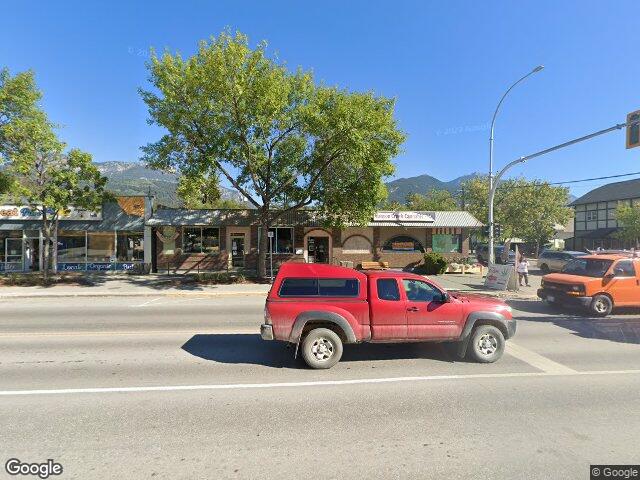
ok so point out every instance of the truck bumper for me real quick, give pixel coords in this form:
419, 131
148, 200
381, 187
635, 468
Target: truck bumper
563, 299
266, 331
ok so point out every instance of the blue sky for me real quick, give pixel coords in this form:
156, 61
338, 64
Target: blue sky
446, 62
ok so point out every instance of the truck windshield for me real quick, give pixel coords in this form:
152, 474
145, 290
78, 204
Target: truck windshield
587, 267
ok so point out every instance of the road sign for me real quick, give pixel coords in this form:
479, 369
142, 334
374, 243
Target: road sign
633, 131
270, 234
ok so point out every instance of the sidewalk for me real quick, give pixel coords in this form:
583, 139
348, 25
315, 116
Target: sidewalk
473, 283
172, 285
134, 286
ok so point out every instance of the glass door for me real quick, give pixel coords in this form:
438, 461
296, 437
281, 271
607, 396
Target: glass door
14, 248
237, 250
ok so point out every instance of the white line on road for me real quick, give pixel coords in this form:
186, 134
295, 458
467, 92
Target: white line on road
246, 386
217, 331
536, 360
147, 303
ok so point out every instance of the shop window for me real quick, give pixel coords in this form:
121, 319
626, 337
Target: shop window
130, 247
403, 244
447, 243
71, 246
200, 240
282, 241
101, 247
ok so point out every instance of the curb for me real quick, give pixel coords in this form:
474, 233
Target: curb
116, 294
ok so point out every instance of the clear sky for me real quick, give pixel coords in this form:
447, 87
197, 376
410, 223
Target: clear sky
446, 62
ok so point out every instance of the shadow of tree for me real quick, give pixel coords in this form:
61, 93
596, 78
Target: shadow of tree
622, 327
251, 349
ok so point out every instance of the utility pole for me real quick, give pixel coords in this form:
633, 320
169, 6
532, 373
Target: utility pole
491, 179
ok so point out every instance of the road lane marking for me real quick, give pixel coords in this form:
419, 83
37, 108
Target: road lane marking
250, 386
536, 360
219, 331
147, 303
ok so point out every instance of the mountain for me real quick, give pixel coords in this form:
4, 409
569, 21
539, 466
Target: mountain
401, 187
131, 178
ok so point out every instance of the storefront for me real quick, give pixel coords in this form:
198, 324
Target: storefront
111, 239
199, 240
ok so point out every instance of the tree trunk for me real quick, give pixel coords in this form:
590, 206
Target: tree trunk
46, 228
263, 249
54, 243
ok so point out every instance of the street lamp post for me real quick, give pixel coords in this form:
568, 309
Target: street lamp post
491, 179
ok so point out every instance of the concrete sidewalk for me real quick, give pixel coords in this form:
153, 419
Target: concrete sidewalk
134, 286
171, 285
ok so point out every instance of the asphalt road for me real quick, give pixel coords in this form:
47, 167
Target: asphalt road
185, 388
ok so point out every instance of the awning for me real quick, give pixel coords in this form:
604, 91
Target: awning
600, 233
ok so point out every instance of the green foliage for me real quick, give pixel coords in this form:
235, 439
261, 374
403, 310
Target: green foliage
525, 209
628, 218
198, 191
434, 200
434, 264
275, 136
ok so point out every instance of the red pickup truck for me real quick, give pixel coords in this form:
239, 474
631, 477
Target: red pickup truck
318, 308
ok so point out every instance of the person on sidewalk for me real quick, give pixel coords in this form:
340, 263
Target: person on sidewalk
523, 270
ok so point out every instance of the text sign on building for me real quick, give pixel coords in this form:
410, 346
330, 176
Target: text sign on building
23, 212
404, 216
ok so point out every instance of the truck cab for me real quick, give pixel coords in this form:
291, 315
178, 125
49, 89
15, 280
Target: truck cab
320, 307
597, 283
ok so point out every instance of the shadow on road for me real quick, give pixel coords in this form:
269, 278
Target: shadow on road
251, 349
623, 327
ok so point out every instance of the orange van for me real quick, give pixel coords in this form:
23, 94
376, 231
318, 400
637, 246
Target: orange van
598, 282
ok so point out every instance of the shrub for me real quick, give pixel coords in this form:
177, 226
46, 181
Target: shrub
214, 278
434, 264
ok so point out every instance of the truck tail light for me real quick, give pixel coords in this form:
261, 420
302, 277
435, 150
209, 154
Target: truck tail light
267, 315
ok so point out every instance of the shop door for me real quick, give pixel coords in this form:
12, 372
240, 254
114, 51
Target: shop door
32, 254
237, 250
318, 249
14, 254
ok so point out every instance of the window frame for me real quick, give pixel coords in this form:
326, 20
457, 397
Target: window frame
201, 242
317, 282
275, 240
395, 282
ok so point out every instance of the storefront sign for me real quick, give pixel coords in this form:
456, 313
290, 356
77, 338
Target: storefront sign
402, 246
100, 267
71, 267
498, 276
401, 216
23, 212
126, 266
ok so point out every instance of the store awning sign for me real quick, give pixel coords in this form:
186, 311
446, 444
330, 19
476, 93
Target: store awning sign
24, 212
404, 216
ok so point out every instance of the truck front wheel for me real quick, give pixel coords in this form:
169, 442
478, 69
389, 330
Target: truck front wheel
321, 348
487, 344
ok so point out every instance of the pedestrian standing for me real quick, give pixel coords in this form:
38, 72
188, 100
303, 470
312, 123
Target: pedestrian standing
523, 271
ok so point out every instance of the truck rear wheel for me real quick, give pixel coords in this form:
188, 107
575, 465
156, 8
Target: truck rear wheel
321, 348
487, 344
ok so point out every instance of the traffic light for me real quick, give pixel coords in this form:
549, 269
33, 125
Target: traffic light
633, 131
497, 230
485, 230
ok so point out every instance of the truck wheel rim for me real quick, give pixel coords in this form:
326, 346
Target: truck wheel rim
322, 349
600, 306
487, 344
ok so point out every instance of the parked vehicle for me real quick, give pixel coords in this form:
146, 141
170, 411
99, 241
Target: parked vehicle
318, 308
482, 254
554, 261
598, 283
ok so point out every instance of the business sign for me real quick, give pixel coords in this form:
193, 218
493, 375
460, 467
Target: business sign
100, 267
498, 276
409, 246
23, 212
404, 216
71, 267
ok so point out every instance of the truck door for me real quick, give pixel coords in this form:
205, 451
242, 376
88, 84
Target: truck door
429, 316
388, 317
624, 287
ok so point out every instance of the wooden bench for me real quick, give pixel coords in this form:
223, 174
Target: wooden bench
374, 265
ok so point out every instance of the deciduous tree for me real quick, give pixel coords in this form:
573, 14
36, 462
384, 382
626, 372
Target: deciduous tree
434, 200
279, 139
628, 218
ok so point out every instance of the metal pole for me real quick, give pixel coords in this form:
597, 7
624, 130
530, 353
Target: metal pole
492, 192
491, 179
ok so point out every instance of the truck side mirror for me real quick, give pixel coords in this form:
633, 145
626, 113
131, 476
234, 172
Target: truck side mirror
445, 297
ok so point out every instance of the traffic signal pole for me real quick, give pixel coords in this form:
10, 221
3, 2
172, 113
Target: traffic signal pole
500, 174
